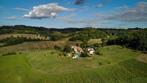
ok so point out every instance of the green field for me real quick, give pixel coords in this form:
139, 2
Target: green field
115, 65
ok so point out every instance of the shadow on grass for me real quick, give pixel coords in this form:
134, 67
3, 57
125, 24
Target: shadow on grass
11, 53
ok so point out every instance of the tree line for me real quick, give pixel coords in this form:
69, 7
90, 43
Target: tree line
136, 40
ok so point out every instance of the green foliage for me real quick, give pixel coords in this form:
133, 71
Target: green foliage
55, 37
97, 51
56, 47
11, 41
10, 53
84, 54
24, 29
14, 41
84, 45
88, 33
97, 46
67, 49
135, 40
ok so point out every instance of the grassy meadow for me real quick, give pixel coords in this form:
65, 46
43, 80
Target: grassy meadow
73, 41
116, 64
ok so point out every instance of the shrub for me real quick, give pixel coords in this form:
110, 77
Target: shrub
134, 40
97, 45
57, 47
88, 33
100, 63
16, 40
84, 45
97, 51
109, 62
67, 49
84, 54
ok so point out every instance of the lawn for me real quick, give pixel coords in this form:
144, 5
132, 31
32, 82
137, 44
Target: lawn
115, 65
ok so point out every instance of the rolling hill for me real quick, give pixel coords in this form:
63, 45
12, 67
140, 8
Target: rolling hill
28, 56
115, 65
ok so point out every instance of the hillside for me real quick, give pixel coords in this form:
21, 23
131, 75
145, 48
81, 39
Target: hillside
39, 55
73, 41
116, 64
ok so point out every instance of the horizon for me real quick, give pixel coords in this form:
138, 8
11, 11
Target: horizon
74, 13
75, 27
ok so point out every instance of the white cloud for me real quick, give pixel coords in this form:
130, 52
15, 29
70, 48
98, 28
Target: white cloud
72, 19
46, 11
12, 18
99, 5
135, 14
21, 9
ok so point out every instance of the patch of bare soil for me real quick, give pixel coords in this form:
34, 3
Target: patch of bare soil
142, 58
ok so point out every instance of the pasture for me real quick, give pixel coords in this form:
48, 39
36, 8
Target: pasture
115, 65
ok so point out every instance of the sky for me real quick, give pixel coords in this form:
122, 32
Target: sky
74, 13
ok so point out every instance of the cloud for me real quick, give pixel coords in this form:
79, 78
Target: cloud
71, 19
102, 3
99, 15
99, 5
136, 14
12, 18
79, 2
21, 9
46, 11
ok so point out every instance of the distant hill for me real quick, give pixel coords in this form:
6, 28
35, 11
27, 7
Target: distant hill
46, 31
134, 38
34, 30
23, 29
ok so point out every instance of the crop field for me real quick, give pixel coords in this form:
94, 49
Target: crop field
116, 64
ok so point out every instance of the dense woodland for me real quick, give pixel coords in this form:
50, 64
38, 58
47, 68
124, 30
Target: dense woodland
134, 38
